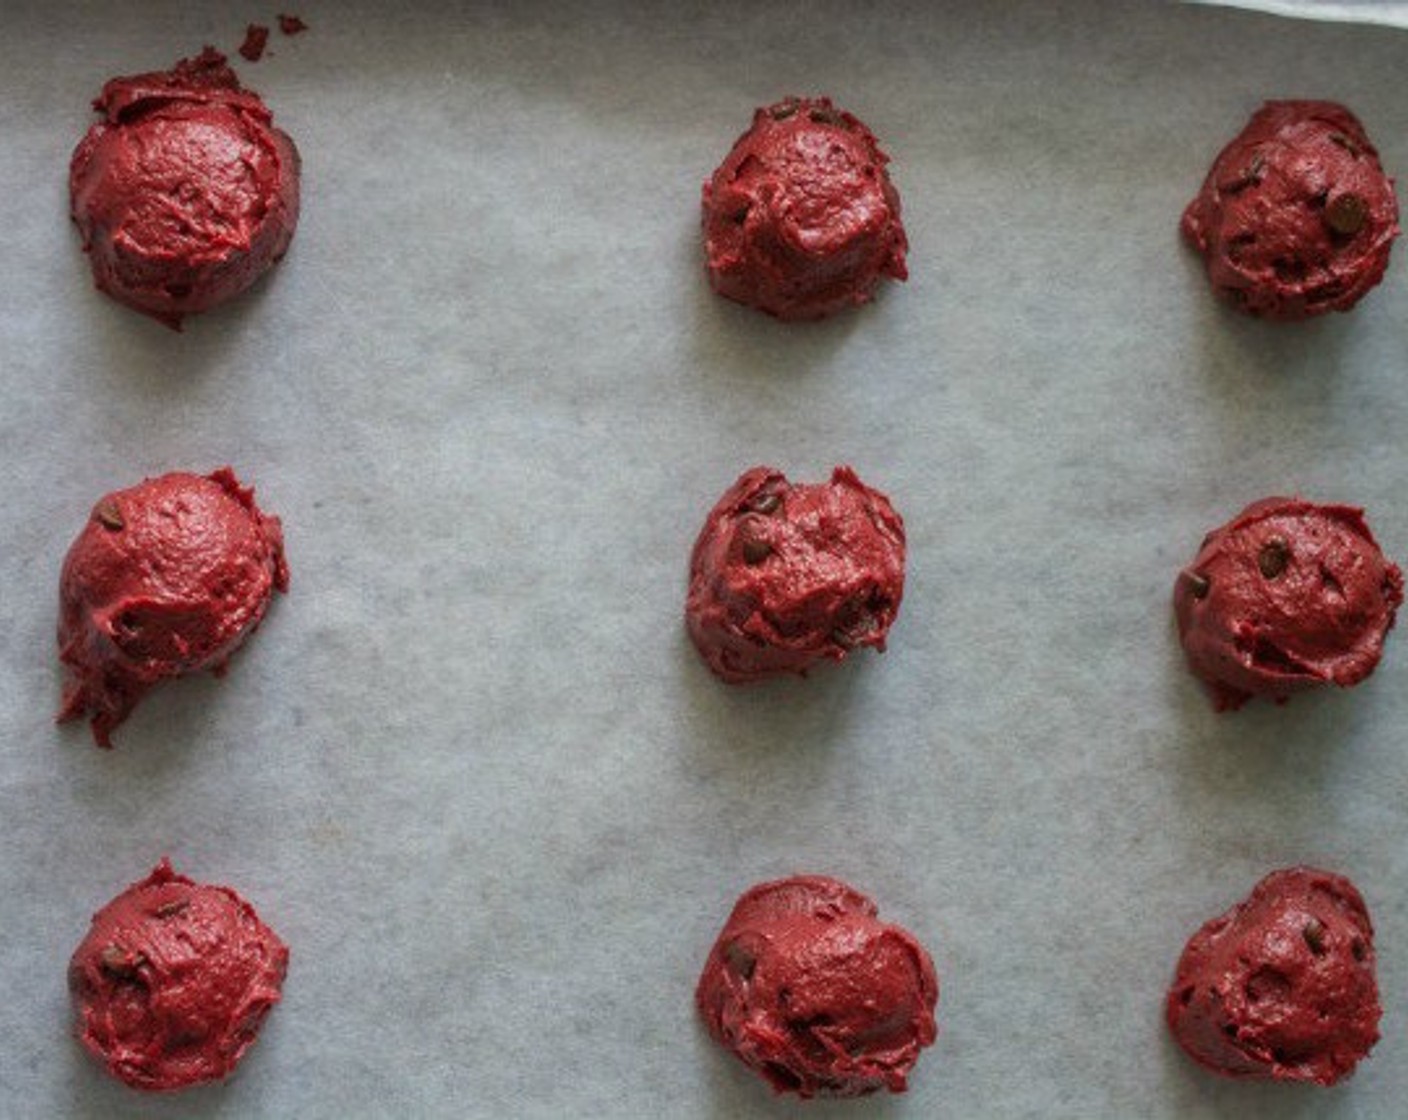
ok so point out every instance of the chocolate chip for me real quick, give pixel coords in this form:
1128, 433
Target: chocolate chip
755, 550
752, 538
1347, 214
1250, 175
855, 632
1314, 934
117, 963
765, 503
740, 959
109, 516
1345, 142
175, 906
783, 109
1237, 245
1198, 584
1273, 557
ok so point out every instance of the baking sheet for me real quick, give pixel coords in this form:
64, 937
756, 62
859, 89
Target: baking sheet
471, 770
1389, 13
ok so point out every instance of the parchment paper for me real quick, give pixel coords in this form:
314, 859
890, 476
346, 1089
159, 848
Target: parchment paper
471, 769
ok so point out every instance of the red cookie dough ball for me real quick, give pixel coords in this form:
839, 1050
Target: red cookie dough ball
784, 576
1296, 217
1282, 985
174, 980
168, 577
185, 192
808, 987
1286, 596
801, 220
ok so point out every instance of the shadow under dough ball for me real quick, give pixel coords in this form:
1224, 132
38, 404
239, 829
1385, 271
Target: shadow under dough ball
801, 219
174, 980
167, 577
784, 576
1285, 597
1282, 986
1296, 216
185, 192
806, 986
